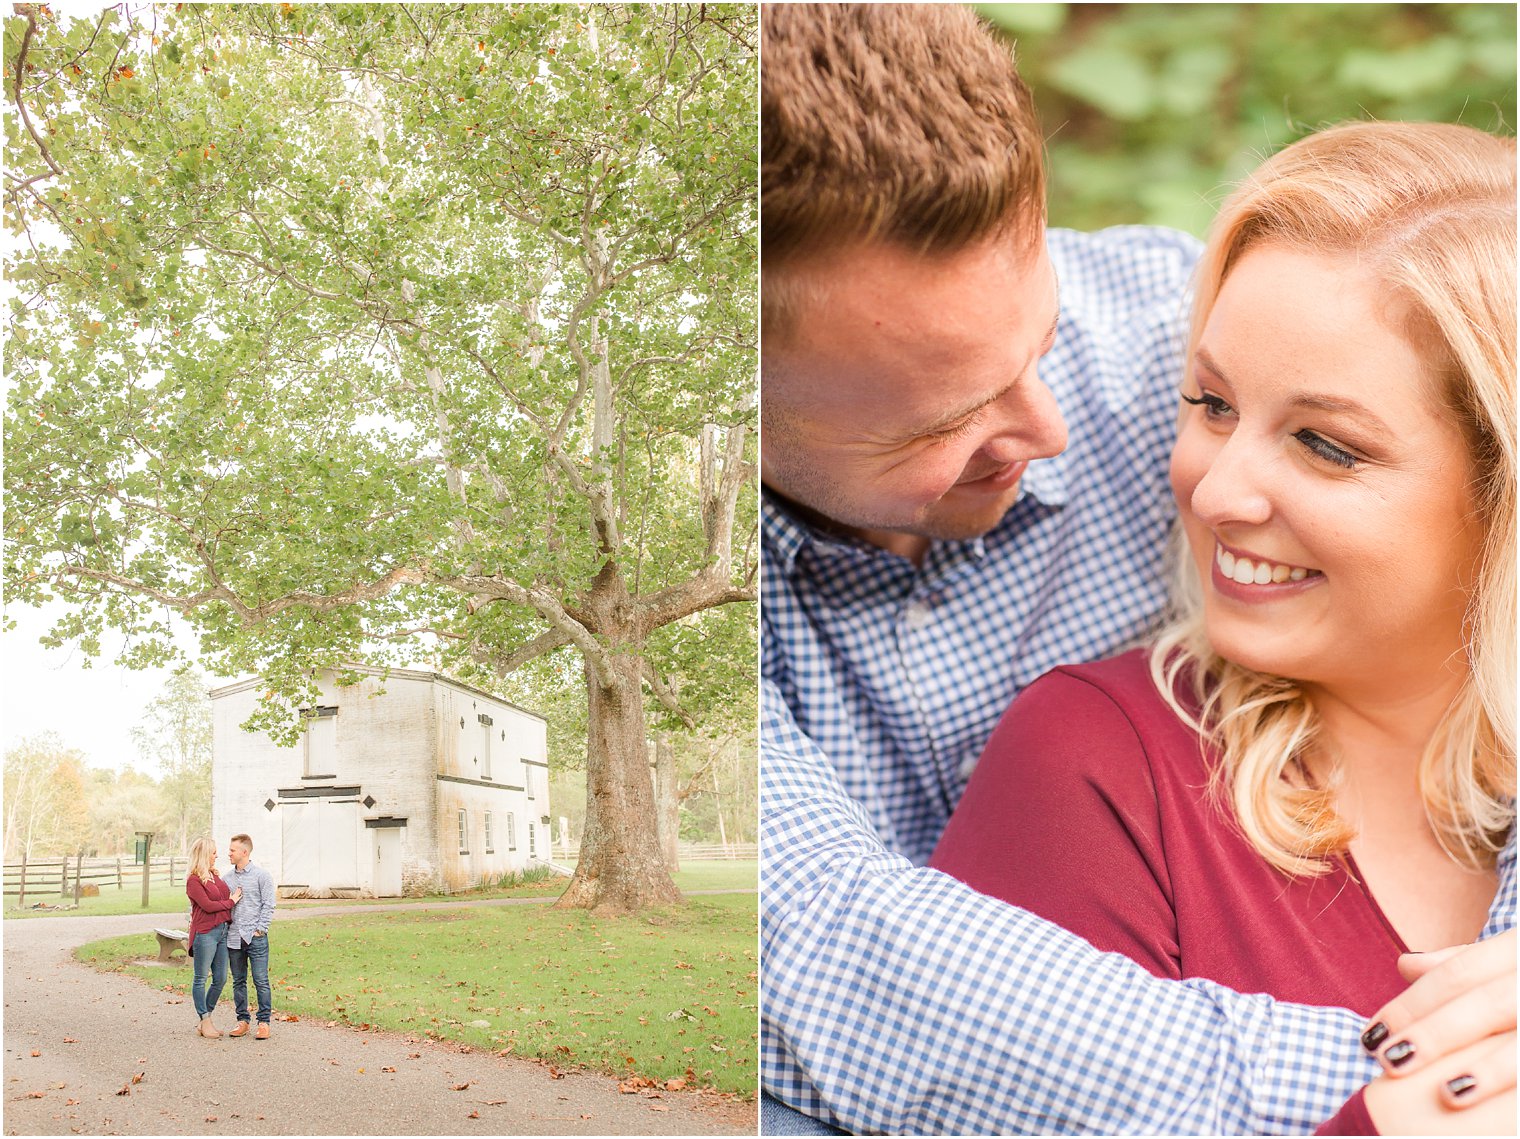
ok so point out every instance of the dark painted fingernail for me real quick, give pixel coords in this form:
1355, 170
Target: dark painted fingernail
1374, 1036
1399, 1054
1460, 1086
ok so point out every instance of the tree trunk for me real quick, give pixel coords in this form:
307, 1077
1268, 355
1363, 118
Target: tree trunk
667, 800
621, 868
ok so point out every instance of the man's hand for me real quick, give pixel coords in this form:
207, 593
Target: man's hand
1455, 1025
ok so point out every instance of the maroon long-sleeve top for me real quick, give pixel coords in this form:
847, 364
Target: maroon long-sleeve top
1089, 807
210, 903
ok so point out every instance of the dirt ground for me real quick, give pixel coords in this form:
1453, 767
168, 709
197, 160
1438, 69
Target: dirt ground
97, 1053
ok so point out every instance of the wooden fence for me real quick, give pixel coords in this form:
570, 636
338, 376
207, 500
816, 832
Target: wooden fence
42, 879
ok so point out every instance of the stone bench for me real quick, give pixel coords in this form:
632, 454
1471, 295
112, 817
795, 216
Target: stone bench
169, 940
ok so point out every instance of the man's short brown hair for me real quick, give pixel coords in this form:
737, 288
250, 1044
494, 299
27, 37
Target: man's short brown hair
901, 123
245, 840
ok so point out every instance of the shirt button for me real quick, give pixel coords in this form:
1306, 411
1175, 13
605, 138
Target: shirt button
918, 614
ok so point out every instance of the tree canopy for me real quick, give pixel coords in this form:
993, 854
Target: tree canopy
359, 332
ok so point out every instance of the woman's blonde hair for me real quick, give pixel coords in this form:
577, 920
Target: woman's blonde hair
203, 859
1430, 209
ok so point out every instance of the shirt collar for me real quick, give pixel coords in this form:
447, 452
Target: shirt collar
786, 535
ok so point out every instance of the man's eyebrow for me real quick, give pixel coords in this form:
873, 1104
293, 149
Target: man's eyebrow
948, 420
1316, 401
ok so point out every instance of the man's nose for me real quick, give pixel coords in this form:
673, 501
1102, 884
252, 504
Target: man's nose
1031, 426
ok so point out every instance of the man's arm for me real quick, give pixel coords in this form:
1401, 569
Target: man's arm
899, 1000
266, 901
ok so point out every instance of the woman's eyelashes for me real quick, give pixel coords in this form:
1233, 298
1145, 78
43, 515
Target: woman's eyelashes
1326, 450
1215, 408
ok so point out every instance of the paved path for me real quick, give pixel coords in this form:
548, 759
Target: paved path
74, 1038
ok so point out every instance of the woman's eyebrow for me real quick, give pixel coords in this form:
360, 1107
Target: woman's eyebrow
1315, 401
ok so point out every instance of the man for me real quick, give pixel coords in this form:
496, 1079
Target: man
966, 423
248, 935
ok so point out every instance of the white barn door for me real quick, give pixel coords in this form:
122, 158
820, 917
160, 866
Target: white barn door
338, 844
298, 862
387, 862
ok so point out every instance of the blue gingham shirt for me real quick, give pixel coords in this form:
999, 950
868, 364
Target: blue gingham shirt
896, 999
255, 909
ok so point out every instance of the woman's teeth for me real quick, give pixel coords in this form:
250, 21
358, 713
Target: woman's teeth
1245, 571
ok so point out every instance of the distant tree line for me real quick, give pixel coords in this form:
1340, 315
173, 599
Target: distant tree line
56, 803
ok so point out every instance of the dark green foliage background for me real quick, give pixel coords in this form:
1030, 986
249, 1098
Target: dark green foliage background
1151, 110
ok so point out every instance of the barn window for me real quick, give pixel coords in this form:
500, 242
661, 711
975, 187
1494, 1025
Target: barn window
321, 742
528, 779
490, 844
464, 831
485, 747
511, 831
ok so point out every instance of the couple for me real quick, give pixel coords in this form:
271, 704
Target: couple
1307, 772
229, 923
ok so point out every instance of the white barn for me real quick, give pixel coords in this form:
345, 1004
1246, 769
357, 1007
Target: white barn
429, 785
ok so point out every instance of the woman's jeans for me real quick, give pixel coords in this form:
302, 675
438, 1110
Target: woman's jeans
210, 955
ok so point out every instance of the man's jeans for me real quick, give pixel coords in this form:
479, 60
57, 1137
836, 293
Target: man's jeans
210, 956
776, 1118
256, 954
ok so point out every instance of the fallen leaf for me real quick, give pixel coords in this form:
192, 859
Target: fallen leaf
387, 1069
137, 1079
414, 1055
70, 1103
658, 1107
35, 1095
70, 1040
473, 1115
126, 1089
59, 1086
36, 1051
210, 1119
675, 1085
555, 1073
460, 1087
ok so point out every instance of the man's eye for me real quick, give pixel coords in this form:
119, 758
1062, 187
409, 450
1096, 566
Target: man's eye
956, 431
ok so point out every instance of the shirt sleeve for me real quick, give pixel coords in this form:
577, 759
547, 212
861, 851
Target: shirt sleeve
1352, 1119
899, 1000
1061, 818
266, 900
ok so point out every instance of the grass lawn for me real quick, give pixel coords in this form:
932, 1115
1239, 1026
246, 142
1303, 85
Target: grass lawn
670, 994
715, 874
163, 898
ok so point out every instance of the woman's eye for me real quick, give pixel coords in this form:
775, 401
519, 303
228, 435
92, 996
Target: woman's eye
1326, 450
1213, 406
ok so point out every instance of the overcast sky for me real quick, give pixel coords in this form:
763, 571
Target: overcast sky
93, 709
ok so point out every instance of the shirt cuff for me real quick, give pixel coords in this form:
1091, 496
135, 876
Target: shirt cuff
1352, 1119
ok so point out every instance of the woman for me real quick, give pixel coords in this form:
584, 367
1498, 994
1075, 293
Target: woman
1312, 770
210, 910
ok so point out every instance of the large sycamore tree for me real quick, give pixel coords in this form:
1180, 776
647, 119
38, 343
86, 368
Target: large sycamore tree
364, 332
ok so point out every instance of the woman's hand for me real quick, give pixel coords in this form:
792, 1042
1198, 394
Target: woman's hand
1424, 1102
1454, 1027
237, 895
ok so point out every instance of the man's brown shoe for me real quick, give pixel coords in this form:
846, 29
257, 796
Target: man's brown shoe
262, 1033
240, 1030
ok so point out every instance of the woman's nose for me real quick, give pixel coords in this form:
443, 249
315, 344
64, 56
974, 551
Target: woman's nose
1235, 487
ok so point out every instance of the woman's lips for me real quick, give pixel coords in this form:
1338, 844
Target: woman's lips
1268, 582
